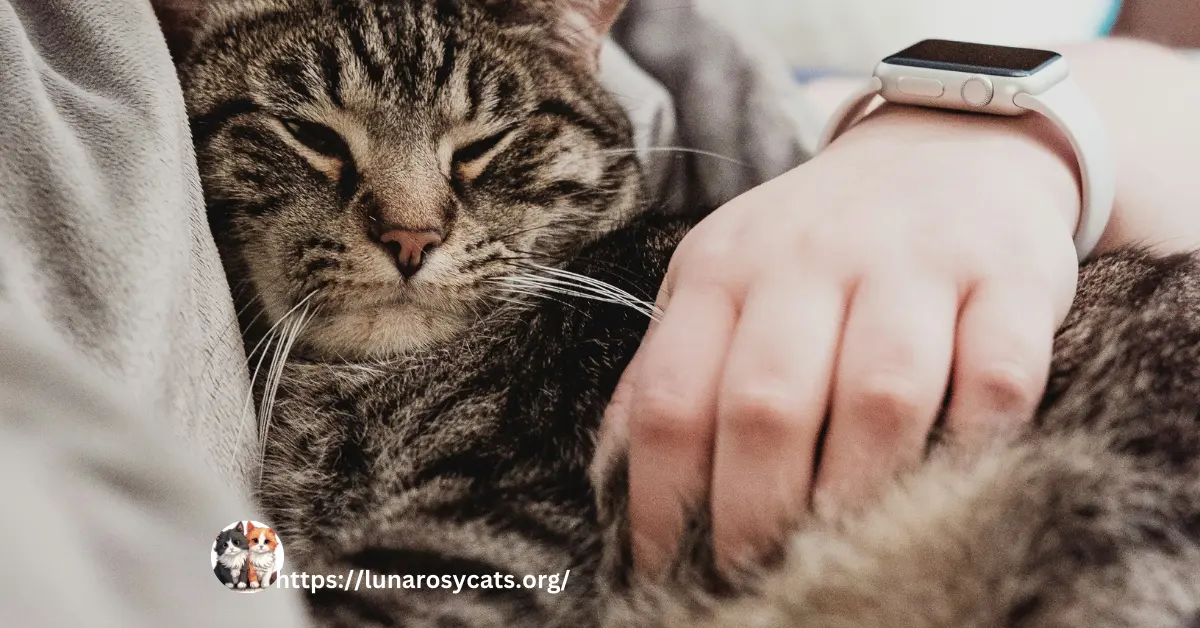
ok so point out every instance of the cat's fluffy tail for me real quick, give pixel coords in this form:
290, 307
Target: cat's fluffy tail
1055, 533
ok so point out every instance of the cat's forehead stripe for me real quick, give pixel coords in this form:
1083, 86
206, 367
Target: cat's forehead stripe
360, 64
331, 70
355, 21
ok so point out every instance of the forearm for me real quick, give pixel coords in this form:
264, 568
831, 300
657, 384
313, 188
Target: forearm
1147, 95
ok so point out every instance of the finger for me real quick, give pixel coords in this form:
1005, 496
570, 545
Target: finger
891, 379
671, 417
1002, 359
771, 406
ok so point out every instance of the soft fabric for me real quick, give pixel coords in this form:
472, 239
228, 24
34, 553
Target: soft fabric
120, 368
109, 522
102, 230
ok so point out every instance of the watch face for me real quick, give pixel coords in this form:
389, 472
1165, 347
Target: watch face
957, 56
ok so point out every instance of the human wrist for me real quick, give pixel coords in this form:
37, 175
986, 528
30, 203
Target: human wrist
1023, 150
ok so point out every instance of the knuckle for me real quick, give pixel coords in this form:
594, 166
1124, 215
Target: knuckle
700, 247
708, 259
890, 402
1007, 388
664, 416
764, 415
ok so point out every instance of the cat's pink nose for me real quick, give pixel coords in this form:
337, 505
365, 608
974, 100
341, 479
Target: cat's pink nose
410, 247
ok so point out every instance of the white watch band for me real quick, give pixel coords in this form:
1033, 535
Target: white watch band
1071, 111
1066, 106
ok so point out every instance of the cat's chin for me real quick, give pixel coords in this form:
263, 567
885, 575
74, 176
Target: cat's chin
380, 333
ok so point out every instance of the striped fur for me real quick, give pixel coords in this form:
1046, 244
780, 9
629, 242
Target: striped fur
440, 426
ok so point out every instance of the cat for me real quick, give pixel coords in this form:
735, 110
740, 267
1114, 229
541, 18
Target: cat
232, 549
261, 566
396, 188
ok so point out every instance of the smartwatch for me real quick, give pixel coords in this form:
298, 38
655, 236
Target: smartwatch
998, 80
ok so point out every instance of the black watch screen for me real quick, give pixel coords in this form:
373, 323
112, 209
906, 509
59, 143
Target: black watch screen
957, 56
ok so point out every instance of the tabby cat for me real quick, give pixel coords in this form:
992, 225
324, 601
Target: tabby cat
392, 184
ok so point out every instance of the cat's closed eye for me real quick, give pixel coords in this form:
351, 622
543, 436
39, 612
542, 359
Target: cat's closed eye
471, 160
318, 137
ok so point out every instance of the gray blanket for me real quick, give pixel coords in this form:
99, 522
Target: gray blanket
126, 436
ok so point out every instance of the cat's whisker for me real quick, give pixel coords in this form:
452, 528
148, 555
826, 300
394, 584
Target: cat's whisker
675, 149
282, 320
596, 222
248, 404
537, 294
567, 283
563, 289
268, 338
612, 267
532, 286
511, 301
566, 277
583, 279
219, 339
290, 333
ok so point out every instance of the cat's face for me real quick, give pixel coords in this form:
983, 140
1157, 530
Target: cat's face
261, 540
232, 542
372, 168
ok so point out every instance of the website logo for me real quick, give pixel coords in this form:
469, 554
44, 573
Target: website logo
247, 556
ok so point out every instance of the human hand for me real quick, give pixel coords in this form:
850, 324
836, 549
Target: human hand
922, 249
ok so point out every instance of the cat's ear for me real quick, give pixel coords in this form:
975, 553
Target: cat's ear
179, 20
578, 26
249, 527
182, 20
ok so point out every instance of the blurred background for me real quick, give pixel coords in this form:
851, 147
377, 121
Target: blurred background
851, 35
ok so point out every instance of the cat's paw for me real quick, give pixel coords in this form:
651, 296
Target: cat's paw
229, 585
240, 585
254, 584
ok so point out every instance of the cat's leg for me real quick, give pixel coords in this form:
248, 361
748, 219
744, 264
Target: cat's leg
1060, 533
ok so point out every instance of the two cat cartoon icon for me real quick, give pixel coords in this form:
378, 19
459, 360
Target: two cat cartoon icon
247, 556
